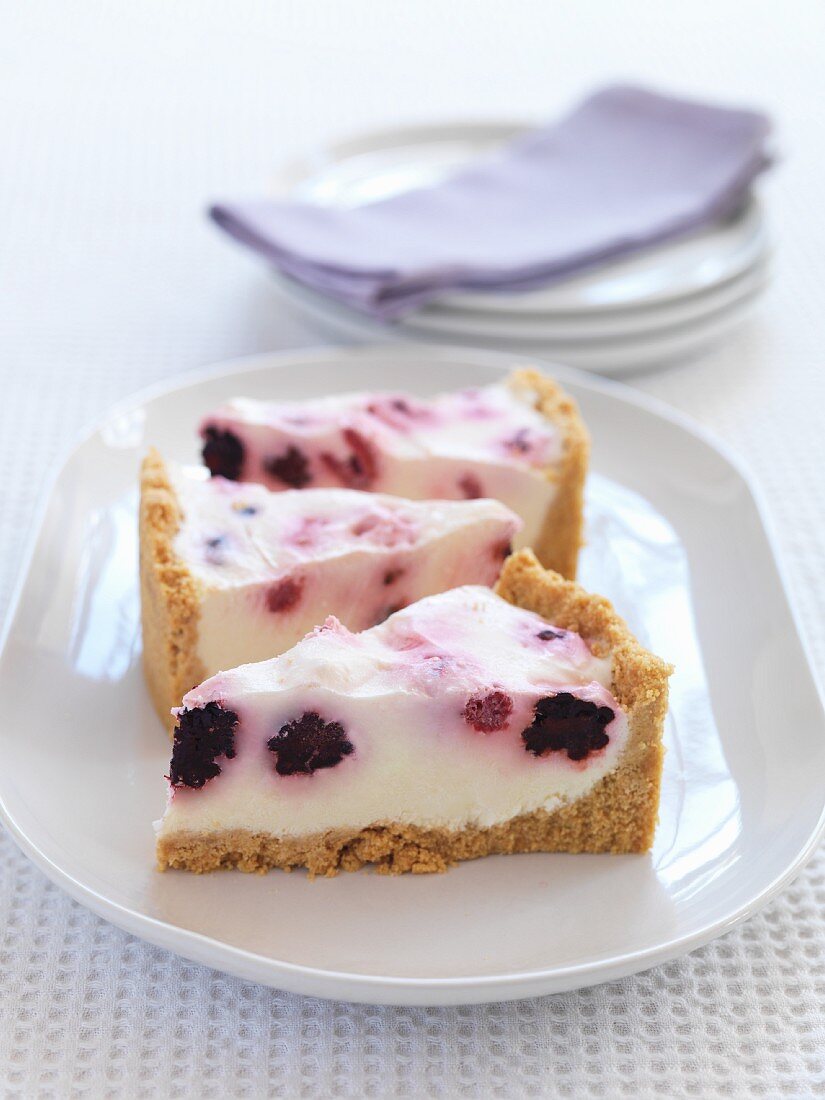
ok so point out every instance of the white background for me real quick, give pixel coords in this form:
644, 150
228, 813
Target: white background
118, 123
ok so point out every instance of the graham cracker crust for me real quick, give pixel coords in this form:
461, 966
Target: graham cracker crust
168, 595
618, 815
558, 544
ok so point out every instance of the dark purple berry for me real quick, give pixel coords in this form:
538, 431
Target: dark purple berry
550, 635
394, 411
223, 453
292, 468
202, 735
520, 442
284, 595
565, 723
360, 468
308, 743
470, 487
214, 549
487, 713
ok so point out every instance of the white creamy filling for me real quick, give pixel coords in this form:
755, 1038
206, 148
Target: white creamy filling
464, 424
403, 770
527, 492
420, 459
236, 627
240, 541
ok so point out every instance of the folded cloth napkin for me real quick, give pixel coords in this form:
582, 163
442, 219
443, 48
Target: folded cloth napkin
625, 169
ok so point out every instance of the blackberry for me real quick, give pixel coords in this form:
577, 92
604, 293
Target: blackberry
360, 468
292, 468
565, 723
201, 736
308, 743
223, 453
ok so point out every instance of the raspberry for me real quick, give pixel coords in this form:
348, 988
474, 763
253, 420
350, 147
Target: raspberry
487, 713
565, 723
292, 468
470, 487
284, 595
360, 468
223, 453
308, 743
201, 736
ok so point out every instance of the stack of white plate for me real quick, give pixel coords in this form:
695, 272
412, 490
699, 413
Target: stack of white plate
665, 304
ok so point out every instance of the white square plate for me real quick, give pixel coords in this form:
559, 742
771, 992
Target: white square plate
676, 539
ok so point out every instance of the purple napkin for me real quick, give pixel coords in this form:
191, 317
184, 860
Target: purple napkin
625, 169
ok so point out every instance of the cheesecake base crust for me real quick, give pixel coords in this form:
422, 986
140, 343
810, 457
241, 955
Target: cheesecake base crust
560, 539
169, 599
605, 823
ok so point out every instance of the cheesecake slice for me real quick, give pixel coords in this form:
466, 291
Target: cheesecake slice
466, 724
521, 441
232, 573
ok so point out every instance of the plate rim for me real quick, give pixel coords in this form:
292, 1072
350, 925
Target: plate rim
293, 171
644, 337
388, 989
636, 358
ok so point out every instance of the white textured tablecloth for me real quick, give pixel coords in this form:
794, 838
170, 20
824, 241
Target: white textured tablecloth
117, 122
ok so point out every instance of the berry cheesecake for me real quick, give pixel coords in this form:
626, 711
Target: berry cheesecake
232, 573
467, 724
521, 442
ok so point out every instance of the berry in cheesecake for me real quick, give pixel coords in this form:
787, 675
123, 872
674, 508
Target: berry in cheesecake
520, 441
